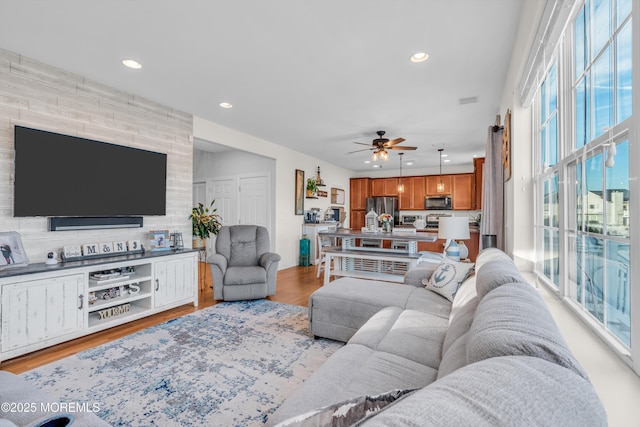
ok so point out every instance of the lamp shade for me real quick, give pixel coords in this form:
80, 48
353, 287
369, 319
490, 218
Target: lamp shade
453, 227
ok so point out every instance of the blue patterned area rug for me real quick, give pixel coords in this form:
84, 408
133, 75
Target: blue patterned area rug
232, 364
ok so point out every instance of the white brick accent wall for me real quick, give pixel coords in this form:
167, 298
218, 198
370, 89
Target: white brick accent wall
40, 96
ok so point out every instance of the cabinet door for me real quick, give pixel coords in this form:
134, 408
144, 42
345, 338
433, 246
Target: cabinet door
357, 219
463, 191
40, 310
384, 187
358, 192
432, 182
413, 195
174, 280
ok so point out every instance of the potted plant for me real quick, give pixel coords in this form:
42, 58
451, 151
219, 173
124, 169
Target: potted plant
312, 187
205, 222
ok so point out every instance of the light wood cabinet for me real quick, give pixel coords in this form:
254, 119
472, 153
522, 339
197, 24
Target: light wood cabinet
412, 198
462, 191
384, 187
431, 185
478, 164
359, 190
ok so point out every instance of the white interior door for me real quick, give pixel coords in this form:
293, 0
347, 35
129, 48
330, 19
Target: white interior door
254, 201
223, 191
199, 193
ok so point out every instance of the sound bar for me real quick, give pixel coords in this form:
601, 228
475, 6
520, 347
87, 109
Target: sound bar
96, 222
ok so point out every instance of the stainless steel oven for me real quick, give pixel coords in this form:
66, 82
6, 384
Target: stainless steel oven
442, 202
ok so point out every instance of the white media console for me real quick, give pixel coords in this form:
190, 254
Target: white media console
44, 305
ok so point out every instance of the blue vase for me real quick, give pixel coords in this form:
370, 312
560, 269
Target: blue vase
453, 251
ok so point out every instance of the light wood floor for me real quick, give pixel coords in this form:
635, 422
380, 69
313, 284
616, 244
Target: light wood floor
294, 286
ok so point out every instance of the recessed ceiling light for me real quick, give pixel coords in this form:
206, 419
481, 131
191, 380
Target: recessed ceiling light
409, 163
445, 155
376, 166
226, 105
419, 57
367, 161
131, 64
447, 161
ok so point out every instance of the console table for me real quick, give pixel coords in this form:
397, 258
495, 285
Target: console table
373, 263
43, 305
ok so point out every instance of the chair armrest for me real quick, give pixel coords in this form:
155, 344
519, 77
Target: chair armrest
219, 261
422, 271
268, 258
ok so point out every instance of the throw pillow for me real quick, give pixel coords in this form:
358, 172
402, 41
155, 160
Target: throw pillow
447, 277
348, 413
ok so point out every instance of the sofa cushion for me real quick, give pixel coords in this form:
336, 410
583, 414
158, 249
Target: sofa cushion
416, 275
496, 273
245, 275
447, 277
489, 254
411, 334
503, 391
514, 320
352, 371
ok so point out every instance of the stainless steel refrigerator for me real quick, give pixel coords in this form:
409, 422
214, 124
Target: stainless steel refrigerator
382, 205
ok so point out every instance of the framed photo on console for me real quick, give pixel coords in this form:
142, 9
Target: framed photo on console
159, 240
13, 254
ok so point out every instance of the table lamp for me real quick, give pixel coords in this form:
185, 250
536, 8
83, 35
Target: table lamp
451, 228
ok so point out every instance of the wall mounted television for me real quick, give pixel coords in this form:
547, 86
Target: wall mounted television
62, 175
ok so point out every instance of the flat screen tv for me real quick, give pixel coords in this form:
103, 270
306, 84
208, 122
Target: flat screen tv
61, 175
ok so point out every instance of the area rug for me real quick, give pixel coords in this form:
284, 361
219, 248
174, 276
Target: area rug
231, 364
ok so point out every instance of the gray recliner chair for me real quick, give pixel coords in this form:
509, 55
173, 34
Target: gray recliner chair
242, 267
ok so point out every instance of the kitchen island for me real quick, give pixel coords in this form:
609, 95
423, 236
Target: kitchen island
375, 263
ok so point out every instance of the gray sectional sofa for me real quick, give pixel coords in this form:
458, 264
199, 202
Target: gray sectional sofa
492, 357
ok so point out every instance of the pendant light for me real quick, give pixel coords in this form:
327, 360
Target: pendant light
400, 184
440, 187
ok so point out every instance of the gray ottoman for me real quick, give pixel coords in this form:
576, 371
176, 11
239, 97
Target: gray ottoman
339, 309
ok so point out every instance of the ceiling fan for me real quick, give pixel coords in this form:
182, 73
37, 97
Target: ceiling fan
380, 145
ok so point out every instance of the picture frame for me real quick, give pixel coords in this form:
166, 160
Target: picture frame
12, 251
337, 196
159, 240
299, 192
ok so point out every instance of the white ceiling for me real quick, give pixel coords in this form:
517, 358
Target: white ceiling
310, 75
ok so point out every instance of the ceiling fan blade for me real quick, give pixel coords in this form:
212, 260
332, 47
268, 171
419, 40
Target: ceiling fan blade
401, 147
394, 142
364, 149
360, 143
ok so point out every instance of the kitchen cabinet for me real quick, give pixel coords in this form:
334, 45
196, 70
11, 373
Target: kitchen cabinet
414, 192
357, 219
384, 187
359, 190
463, 191
478, 164
431, 185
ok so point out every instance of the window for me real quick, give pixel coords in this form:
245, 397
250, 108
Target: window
583, 200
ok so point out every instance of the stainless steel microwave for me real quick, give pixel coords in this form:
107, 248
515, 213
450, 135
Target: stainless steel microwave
442, 202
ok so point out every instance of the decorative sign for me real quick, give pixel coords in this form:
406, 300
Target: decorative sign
72, 251
322, 193
90, 249
106, 248
134, 245
114, 311
120, 246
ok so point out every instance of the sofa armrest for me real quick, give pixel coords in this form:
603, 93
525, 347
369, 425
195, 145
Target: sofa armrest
422, 271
